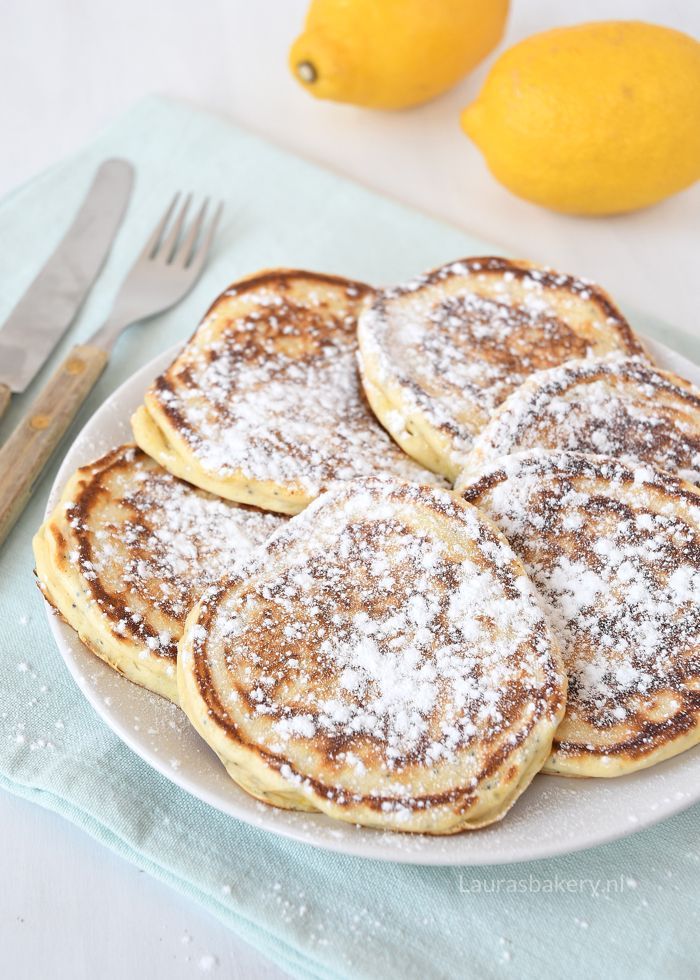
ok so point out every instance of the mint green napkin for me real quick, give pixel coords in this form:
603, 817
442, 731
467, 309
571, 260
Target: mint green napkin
633, 907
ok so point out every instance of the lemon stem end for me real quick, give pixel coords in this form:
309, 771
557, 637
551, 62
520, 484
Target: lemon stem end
306, 71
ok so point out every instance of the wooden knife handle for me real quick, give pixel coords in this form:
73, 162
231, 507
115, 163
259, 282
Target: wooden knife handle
26, 452
4, 398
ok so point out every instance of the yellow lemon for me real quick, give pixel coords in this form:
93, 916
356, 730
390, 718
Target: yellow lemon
389, 54
594, 119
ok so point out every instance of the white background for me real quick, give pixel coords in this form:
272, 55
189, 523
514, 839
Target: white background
68, 908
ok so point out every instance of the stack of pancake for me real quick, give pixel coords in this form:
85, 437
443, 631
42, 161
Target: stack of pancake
394, 552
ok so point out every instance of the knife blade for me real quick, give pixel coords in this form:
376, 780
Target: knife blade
52, 300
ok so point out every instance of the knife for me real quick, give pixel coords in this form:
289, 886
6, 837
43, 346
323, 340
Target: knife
51, 302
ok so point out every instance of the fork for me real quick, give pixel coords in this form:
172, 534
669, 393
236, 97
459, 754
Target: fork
165, 271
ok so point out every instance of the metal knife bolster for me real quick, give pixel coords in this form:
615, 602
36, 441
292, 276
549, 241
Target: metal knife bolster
54, 297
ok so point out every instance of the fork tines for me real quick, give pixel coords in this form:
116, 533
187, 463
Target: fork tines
173, 243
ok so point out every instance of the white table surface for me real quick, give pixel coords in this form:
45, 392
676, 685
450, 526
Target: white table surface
67, 68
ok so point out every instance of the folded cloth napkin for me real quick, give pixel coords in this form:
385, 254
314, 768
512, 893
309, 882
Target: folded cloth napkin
628, 908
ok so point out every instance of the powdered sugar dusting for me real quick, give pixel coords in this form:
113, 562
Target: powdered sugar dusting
360, 633
457, 341
616, 551
269, 388
155, 545
620, 407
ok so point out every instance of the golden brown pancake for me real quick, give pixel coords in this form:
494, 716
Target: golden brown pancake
615, 551
383, 658
622, 408
438, 354
264, 405
127, 552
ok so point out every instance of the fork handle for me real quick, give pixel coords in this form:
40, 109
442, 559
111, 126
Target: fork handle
26, 452
5, 393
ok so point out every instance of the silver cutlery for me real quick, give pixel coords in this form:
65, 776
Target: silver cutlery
52, 300
165, 271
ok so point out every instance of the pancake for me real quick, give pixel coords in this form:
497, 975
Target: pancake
615, 551
264, 405
127, 552
622, 408
382, 659
438, 354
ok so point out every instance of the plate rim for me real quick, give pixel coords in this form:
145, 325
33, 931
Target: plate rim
269, 820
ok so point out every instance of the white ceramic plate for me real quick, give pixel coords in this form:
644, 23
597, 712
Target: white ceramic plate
554, 816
